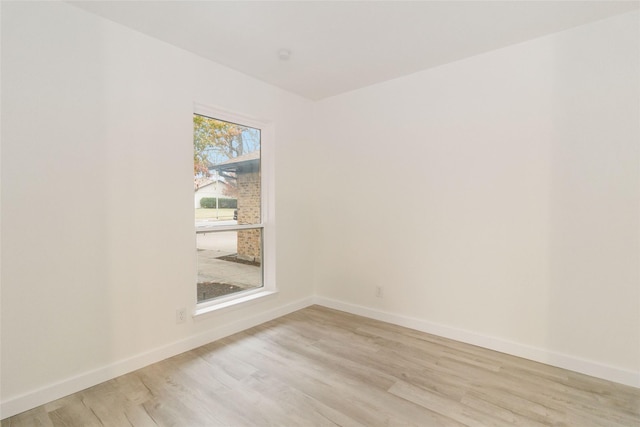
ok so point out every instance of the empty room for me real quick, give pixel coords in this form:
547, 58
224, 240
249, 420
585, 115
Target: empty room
320, 213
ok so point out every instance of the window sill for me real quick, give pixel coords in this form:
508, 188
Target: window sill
232, 303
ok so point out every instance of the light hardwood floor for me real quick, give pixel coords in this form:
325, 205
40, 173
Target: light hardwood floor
321, 367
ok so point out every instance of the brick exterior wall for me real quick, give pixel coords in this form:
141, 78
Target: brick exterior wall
249, 244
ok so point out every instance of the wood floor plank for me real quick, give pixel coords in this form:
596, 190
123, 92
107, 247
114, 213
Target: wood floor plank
440, 404
311, 411
37, 417
322, 367
76, 412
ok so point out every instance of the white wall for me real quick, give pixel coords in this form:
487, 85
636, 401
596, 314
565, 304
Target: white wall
90, 286
514, 177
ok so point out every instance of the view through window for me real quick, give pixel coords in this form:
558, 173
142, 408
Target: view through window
227, 198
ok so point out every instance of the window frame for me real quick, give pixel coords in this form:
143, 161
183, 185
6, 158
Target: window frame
267, 214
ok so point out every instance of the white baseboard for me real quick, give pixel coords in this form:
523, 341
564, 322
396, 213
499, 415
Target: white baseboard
548, 357
82, 381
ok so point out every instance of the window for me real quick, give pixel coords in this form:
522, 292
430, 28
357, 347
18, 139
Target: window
229, 211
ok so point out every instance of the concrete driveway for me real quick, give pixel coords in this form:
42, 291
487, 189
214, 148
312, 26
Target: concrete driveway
222, 242
214, 245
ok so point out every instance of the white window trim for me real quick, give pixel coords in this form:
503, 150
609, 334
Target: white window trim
267, 194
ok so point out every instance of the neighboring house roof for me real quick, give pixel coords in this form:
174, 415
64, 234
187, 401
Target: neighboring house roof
235, 162
200, 183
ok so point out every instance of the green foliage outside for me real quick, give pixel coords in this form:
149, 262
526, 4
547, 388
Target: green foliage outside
210, 202
217, 140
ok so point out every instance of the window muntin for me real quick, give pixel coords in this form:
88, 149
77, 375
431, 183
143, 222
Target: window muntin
228, 211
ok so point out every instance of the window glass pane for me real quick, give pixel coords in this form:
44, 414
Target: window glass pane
227, 193
228, 262
226, 163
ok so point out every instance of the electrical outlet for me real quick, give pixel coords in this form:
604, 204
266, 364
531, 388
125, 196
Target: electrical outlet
181, 315
379, 291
